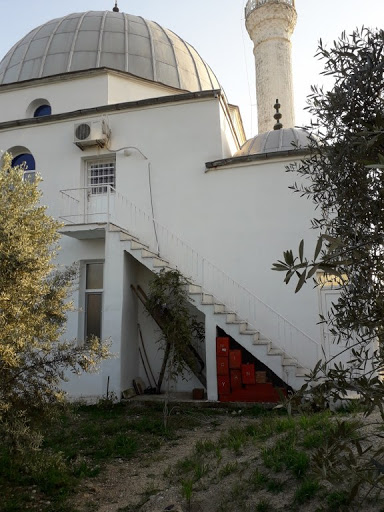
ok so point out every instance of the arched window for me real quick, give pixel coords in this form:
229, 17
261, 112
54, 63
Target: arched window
30, 165
43, 110
38, 108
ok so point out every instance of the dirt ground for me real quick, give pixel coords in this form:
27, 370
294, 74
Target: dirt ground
145, 485
124, 483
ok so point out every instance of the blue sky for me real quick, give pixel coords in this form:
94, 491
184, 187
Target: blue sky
216, 29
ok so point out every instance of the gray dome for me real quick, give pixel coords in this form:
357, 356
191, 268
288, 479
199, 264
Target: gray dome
115, 40
275, 141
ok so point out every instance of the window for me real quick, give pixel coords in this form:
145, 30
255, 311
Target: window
101, 175
93, 299
38, 108
28, 161
43, 110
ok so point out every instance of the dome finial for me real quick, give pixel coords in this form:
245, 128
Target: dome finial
277, 116
116, 9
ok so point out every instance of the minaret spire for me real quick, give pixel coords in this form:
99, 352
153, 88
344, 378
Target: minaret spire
270, 24
116, 9
277, 116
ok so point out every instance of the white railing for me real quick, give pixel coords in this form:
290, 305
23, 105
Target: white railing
253, 4
81, 206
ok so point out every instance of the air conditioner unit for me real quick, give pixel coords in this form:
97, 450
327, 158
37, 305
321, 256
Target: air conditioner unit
91, 133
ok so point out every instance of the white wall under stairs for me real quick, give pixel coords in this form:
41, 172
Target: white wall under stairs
217, 313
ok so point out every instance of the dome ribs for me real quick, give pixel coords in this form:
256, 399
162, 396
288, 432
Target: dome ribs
173, 53
100, 44
153, 59
103, 39
72, 51
44, 58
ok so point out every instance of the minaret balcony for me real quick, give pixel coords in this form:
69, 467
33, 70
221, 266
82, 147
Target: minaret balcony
254, 4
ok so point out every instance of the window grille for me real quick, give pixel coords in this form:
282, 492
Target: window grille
100, 175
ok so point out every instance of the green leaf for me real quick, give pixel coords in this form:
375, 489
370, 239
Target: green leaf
301, 281
301, 250
312, 271
318, 247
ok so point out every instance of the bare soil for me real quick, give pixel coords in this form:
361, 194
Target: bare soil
149, 484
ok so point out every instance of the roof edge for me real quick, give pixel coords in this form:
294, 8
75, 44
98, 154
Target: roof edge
252, 158
116, 107
82, 73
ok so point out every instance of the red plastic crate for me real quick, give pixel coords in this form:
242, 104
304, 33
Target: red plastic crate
235, 359
222, 366
248, 373
262, 392
236, 382
223, 386
260, 377
222, 346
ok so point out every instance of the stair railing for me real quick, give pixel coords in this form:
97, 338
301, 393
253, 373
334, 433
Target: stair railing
120, 211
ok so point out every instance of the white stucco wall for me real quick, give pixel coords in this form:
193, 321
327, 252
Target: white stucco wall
77, 91
128, 88
62, 95
241, 218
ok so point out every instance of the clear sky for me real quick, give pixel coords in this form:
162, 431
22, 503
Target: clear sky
216, 29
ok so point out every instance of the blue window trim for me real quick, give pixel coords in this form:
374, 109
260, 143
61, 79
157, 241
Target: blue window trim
43, 110
26, 158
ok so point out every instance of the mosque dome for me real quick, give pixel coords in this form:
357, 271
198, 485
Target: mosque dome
115, 40
275, 141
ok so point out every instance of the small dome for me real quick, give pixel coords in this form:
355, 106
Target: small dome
116, 40
275, 141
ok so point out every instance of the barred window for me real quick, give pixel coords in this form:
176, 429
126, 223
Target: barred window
100, 175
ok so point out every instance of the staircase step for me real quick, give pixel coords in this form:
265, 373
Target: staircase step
219, 308
273, 351
207, 299
289, 361
195, 289
244, 328
145, 253
137, 245
232, 318
159, 263
259, 341
249, 332
301, 372
125, 237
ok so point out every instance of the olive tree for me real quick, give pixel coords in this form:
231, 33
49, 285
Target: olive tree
344, 176
33, 308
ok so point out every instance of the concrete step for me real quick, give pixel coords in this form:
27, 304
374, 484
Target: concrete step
124, 237
232, 318
195, 289
159, 263
289, 361
137, 245
207, 299
145, 253
219, 308
259, 340
274, 351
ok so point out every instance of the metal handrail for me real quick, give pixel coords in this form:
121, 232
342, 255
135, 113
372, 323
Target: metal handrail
254, 4
112, 207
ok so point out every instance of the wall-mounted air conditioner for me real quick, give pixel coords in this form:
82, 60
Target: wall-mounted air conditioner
91, 133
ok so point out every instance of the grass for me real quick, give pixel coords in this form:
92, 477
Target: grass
78, 444
265, 457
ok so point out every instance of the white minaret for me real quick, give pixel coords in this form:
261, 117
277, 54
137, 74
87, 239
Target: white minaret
270, 24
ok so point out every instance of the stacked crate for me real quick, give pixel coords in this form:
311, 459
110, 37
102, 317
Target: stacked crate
222, 358
238, 382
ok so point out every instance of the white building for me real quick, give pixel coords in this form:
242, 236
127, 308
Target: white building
146, 161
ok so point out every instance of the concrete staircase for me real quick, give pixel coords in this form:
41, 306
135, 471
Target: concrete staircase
283, 365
